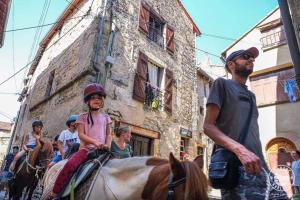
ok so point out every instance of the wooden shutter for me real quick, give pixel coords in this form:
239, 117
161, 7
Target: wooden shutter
144, 19
140, 78
168, 90
170, 39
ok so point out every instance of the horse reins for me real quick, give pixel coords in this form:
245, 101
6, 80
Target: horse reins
172, 184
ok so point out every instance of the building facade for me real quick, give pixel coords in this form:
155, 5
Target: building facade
5, 133
277, 96
143, 52
4, 11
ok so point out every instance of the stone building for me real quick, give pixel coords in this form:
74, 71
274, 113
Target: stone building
143, 52
5, 133
4, 11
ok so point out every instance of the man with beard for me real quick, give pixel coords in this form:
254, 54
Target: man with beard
228, 113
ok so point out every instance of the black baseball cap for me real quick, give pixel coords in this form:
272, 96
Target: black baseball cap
252, 51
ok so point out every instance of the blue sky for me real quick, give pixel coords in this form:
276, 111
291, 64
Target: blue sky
228, 18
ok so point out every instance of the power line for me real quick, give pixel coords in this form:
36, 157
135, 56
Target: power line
44, 51
32, 27
10, 93
6, 115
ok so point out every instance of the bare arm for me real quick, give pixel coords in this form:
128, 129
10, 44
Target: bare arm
108, 136
60, 148
25, 141
250, 161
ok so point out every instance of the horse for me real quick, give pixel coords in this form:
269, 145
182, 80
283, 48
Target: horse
30, 170
148, 178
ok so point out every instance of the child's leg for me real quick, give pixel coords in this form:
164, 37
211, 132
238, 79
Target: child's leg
16, 158
65, 174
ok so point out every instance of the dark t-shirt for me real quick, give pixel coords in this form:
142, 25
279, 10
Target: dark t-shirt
121, 153
233, 100
9, 158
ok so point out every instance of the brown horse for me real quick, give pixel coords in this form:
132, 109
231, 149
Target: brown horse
147, 178
30, 170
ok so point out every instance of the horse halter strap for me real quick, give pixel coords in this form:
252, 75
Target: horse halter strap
172, 185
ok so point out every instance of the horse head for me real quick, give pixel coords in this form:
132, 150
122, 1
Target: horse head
45, 154
174, 180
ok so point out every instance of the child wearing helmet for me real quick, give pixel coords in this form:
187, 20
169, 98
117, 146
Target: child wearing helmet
66, 139
30, 141
68, 136
94, 130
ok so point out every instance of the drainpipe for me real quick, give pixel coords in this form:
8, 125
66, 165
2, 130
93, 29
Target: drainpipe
99, 41
291, 37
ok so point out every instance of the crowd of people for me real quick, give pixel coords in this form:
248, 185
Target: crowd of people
85, 132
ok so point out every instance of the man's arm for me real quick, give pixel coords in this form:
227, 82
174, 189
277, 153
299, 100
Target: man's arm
250, 161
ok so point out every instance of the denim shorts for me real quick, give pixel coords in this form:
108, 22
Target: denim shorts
255, 187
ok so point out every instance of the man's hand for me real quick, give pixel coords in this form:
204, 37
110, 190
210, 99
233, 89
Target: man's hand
250, 161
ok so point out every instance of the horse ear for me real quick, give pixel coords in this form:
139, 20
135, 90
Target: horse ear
199, 161
176, 166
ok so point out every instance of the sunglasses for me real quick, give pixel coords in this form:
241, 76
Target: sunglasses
245, 56
93, 97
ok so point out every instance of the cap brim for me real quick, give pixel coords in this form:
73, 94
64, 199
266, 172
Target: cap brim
253, 51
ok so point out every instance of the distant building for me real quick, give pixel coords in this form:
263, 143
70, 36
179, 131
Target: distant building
4, 11
5, 133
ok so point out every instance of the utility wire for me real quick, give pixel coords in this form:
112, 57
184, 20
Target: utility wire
44, 51
32, 27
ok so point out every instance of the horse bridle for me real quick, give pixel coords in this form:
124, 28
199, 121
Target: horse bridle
172, 184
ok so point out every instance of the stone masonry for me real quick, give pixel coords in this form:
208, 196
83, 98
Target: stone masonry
69, 66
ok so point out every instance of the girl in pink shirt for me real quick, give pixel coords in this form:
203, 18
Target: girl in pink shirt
94, 130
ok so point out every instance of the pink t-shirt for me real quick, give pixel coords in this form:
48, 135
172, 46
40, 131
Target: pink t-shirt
98, 130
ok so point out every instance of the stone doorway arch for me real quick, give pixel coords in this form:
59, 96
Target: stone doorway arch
278, 154
278, 151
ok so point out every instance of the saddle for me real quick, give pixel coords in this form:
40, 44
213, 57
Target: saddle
96, 158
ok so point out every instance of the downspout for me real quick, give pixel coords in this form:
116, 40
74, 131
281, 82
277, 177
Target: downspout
291, 37
99, 42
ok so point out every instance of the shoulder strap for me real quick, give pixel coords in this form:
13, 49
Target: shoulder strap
245, 130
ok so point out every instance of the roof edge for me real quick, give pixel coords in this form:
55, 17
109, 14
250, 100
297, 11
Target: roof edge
246, 33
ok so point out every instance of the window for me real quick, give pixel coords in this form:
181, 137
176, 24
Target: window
153, 86
152, 25
270, 88
184, 143
156, 28
200, 151
148, 84
201, 110
204, 89
50, 83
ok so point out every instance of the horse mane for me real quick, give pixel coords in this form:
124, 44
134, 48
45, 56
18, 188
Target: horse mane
46, 148
196, 183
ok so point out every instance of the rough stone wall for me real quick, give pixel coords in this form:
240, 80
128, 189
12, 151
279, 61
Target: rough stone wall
128, 42
72, 56
70, 53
